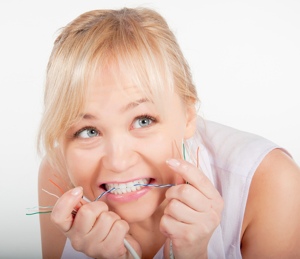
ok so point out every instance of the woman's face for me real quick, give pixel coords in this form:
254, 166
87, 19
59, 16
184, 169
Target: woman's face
124, 139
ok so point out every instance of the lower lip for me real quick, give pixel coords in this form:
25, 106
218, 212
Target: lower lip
128, 197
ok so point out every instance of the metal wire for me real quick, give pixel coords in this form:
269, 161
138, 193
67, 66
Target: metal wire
137, 184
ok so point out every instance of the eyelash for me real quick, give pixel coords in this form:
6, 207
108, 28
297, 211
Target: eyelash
76, 134
144, 116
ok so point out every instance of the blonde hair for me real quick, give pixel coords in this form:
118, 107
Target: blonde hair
138, 40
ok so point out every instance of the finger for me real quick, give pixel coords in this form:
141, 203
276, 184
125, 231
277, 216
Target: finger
177, 230
61, 214
185, 213
189, 196
184, 237
116, 237
193, 176
172, 228
104, 224
90, 236
86, 218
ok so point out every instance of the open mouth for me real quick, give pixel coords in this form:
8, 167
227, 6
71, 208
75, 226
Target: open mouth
121, 188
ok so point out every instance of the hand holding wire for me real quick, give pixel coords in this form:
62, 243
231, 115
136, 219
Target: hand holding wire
80, 220
92, 229
192, 213
76, 205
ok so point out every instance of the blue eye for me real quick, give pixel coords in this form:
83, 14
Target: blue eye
87, 133
143, 121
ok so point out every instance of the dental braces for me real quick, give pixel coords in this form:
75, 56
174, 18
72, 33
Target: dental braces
137, 184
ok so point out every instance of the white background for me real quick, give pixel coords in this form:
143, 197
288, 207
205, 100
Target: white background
244, 55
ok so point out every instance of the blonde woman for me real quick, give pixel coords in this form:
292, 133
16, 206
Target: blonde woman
138, 173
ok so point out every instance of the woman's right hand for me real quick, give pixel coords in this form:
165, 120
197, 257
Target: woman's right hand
94, 231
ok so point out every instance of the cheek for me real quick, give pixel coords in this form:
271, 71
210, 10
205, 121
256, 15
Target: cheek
80, 164
161, 147
158, 150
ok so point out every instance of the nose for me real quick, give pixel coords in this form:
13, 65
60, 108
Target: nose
120, 155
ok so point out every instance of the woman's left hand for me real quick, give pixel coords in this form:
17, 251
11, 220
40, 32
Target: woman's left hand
192, 214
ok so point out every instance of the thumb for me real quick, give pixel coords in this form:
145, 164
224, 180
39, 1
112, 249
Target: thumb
62, 212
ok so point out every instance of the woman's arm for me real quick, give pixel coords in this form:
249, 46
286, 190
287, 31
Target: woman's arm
53, 240
271, 227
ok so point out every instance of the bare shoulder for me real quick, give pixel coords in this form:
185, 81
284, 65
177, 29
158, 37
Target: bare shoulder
50, 186
271, 227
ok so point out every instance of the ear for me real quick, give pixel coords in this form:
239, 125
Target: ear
191, 117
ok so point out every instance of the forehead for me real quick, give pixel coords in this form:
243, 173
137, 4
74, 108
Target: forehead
110, 81
132, 83
111, 87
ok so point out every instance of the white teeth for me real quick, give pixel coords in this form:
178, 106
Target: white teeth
127, 187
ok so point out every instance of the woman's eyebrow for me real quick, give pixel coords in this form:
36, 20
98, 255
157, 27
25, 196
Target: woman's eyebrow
88, 116
131, 105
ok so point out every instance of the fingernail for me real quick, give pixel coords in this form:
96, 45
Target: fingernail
173, 162
76, 191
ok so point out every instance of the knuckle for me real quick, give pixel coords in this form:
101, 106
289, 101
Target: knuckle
162, 222
190, 236
121, 226
102, 205
207, 228
184, 189
81, 245
90, 250
186, 236
109, 216
92, 209
77, 244
86, 211
163, 225
172, 206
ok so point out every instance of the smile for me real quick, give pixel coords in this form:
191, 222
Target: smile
121, 188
